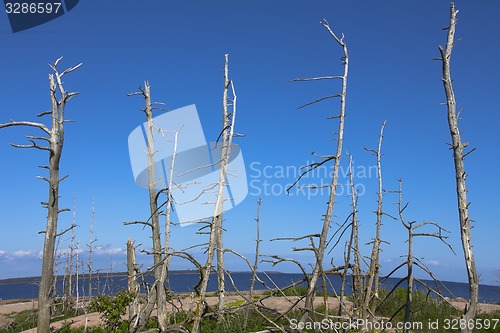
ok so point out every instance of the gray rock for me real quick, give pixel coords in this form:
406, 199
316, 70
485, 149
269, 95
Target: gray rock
6, 322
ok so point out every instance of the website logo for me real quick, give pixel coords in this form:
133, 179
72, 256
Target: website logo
180, 146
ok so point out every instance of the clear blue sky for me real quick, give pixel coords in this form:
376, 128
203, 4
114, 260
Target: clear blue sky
179, 47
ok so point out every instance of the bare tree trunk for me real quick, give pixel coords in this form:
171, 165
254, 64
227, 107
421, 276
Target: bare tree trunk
44, 301
163, 319
54, 141
227, 137
349, 246
68, 297
133, 285
372, 286
323, 238
77, 272
354, 245
215, 239
91, 249
460, 175
255, 265
409, 290
220, 266
153, 206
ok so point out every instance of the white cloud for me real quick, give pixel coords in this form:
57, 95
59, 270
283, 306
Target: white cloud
433, 262
109, 251
37, 254
67, 251
24, 253
19, 255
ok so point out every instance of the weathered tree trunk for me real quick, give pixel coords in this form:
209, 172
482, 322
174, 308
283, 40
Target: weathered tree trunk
54, 141
351, 248
215, 239
460, 175
323, 238
354, 245
227, 137
91, 250
221, 284
153, 206
44, 301
68, 297
409, 290
158, 296
255, 265
163, 319
132, 285
372, 286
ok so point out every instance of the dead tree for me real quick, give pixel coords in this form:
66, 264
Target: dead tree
411, 228
132, 285
319, 249
78, 265
460, 175
162, 307
68, 293
53, 143
157, 296
255, 265
91, 250
370, 295
227, 133
215, 245
352, 249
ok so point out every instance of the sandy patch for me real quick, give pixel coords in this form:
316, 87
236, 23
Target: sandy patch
279, 304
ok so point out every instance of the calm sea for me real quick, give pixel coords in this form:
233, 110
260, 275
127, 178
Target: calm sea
27, 288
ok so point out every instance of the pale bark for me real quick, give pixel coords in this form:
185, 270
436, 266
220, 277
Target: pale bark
91, 250
162, 306
319, 250
372, 285
132, 285
255, 265
352, 249
356, 270
158, 296
215, 245
68, 296
460, 174
55, 141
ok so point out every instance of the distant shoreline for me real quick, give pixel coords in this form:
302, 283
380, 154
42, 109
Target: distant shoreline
185, 280
35, 279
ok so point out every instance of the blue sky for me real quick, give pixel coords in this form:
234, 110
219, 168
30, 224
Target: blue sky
179, 47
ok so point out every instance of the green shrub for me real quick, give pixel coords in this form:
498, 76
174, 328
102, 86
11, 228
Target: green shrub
112, 308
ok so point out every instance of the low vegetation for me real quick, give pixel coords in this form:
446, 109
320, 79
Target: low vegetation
113, 309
